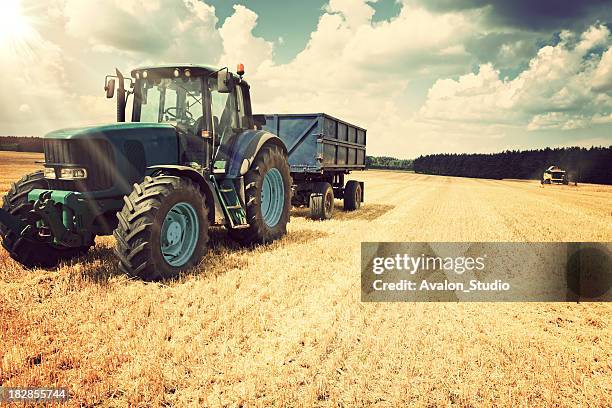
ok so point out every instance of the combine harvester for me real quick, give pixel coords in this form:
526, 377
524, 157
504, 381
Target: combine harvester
554, 175
192, 156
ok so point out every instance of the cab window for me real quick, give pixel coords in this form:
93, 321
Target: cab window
223, 111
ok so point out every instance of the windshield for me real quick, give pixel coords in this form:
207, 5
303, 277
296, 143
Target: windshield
171, 100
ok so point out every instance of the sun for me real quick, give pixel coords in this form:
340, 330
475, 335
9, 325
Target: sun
14, 26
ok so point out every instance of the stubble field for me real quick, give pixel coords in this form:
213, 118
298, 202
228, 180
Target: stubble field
283, 324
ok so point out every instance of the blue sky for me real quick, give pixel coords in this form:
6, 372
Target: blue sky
423, 76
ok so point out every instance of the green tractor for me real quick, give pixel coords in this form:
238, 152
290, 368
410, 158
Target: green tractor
190, 157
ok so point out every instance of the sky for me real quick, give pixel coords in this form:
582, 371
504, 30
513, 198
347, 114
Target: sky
422, 76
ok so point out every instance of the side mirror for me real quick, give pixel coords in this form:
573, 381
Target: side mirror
110, 88
260, 121
224, 80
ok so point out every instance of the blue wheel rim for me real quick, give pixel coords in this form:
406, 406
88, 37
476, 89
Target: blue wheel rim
179, 234
272, 197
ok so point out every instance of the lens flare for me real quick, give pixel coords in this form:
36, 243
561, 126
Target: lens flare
15, 28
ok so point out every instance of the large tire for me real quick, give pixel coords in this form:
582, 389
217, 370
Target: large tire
321, 201
161, 213
30, 252
267, 215
352, 195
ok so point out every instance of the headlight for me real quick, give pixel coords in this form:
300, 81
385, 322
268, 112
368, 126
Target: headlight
49, 172
73, 173
66, 173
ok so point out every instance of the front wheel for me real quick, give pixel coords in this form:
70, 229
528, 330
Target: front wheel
163, 228
268, 198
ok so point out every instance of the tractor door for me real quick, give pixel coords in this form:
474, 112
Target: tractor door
224, 114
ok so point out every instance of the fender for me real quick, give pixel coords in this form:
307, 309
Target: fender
215, 212
245, 147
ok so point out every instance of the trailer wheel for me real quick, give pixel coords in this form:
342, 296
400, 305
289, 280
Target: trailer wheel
352, 195
162, 229
321, 201
29, 252
268, 198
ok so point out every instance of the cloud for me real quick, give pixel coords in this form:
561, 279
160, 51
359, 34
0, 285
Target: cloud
168, 29
349, 69
239, 43
443, 76
533, 15
602, 78
554, 92
355, 13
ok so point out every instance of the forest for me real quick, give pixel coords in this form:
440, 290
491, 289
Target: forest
386, 162
21, 144
593, 165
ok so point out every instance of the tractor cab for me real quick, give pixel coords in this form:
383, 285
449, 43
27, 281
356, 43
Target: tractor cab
206, 106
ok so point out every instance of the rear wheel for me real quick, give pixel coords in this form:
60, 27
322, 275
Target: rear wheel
352, 195
30, 252
163, 228
321, 201
268, 198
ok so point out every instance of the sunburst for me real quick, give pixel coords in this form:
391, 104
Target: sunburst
16, 32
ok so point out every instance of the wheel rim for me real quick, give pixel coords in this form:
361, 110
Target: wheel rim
329, 203
179, 234
272, 197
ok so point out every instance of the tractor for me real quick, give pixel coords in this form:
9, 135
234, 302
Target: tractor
190, 157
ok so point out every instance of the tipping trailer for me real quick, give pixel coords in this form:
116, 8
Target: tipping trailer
322, 150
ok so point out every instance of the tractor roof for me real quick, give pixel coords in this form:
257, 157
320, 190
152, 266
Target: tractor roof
168, 69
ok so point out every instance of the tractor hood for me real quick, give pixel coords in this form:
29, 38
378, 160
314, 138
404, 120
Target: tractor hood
128, 129
121, 151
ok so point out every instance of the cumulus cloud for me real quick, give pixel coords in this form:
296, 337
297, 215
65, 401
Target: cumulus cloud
354, 70
602, 78
168, 29
239, 43
554, 92
542, 14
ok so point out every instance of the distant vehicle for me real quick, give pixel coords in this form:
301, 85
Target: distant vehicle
554, 175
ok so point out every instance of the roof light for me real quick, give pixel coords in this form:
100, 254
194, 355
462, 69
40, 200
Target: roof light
187, 73
145, 74
240, 70
177, 73
138, 75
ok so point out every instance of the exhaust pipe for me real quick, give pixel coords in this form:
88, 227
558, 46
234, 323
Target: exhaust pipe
121, 100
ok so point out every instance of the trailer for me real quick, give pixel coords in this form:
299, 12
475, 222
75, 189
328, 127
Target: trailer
322, 150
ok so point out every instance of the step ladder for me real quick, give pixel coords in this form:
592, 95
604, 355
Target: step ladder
228, 196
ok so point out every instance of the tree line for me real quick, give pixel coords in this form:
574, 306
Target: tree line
386, 162
593, 165
21, 144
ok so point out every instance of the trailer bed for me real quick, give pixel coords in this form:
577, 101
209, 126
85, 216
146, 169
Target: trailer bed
317, 142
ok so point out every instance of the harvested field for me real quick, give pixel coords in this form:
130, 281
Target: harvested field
283, 324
